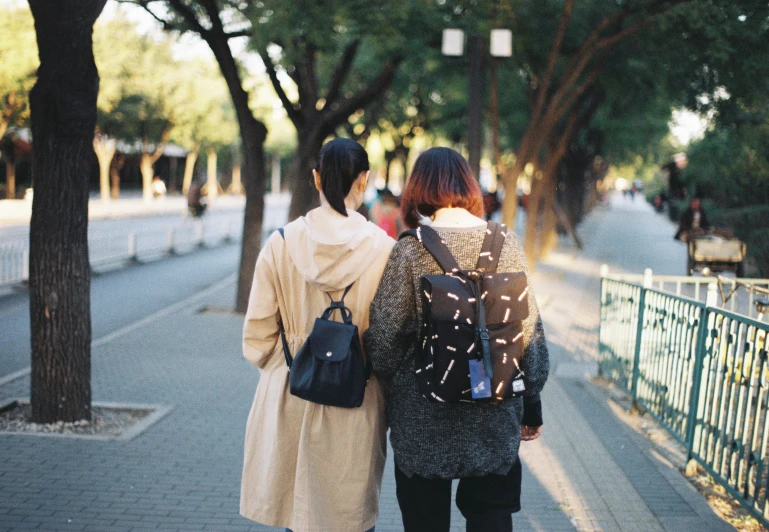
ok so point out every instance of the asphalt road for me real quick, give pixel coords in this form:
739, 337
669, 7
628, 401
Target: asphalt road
121, 297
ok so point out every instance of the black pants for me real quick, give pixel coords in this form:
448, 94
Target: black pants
486, 502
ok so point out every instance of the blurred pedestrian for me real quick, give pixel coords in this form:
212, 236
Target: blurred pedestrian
310, 467
386, 213
435, 442
195, 200
158, 188
491, 204
693, 221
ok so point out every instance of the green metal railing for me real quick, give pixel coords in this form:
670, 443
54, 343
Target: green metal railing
702, 372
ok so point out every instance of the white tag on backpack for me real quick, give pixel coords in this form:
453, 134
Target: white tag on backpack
479, 380
518, 386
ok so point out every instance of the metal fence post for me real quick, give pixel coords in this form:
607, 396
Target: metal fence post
227, 232
199, 234
638, 344
694, 396
171, 250
132, 247
604, 273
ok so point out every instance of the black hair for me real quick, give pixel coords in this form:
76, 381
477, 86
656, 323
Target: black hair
340, 162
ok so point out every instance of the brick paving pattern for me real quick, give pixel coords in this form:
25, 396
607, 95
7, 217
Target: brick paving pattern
589, 471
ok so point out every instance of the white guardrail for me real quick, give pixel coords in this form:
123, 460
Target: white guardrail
115, 249
738, 295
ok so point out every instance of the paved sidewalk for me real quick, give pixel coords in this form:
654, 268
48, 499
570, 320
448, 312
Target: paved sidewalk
590, 470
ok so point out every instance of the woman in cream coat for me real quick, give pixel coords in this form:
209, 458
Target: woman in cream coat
308, 467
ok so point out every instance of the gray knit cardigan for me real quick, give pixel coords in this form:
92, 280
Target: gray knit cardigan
439, 440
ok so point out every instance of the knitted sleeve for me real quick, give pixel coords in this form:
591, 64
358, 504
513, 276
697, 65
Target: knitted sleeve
393, 314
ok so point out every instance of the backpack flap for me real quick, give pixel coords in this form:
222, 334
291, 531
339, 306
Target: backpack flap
330, 340
451, 298
510, 298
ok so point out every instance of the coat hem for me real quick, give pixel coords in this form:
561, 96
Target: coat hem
264, 520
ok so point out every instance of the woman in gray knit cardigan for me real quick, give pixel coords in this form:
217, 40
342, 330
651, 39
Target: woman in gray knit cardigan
436, 442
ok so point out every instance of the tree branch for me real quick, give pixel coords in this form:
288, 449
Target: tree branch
560, 110
595, 43
189, 16
239, 33
161, 146
167, 25
375, 88
341, 71
293, 115
308, 90
553, 59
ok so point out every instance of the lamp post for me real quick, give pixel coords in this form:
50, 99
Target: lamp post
501, 45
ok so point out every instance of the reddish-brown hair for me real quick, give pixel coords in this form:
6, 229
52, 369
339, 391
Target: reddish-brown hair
441, 178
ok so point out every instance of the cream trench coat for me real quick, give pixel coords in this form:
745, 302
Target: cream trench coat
308, 467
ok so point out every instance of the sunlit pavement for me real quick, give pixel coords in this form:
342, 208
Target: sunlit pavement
590, 471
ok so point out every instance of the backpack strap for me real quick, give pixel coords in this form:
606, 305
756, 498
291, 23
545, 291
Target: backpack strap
432, 242
491, 248
286, 350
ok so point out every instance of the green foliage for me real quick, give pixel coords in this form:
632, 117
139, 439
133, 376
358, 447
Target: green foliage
144, 89
18, 63
731, 165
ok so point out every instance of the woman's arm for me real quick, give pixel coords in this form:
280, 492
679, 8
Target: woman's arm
393, 312
260, 330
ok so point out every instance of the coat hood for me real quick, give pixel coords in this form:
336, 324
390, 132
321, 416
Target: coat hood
332, 251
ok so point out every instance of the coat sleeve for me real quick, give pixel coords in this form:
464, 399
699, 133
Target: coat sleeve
393, 314
260, 330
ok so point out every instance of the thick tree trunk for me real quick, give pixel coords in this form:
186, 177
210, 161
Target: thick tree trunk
63, 111
114, 172
146, 167
253, 134
254, 171
105, 151
304, 196
10, 178
189, 168
549, 235
533, 218
172, 164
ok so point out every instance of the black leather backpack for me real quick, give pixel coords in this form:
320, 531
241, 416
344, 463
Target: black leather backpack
329, 368
471, 339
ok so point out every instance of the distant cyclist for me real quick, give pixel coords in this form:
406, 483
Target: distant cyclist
692, 219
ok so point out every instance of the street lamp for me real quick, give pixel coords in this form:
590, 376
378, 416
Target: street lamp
501, 45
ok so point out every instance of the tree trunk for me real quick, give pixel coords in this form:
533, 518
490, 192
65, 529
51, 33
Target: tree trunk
304, 196
236, 186
253, 134
532, 218
189, 168
254, 172
549, 235
63, 116
172, 164
105, 151
146, 167
114, 171
10, 178
212, 184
